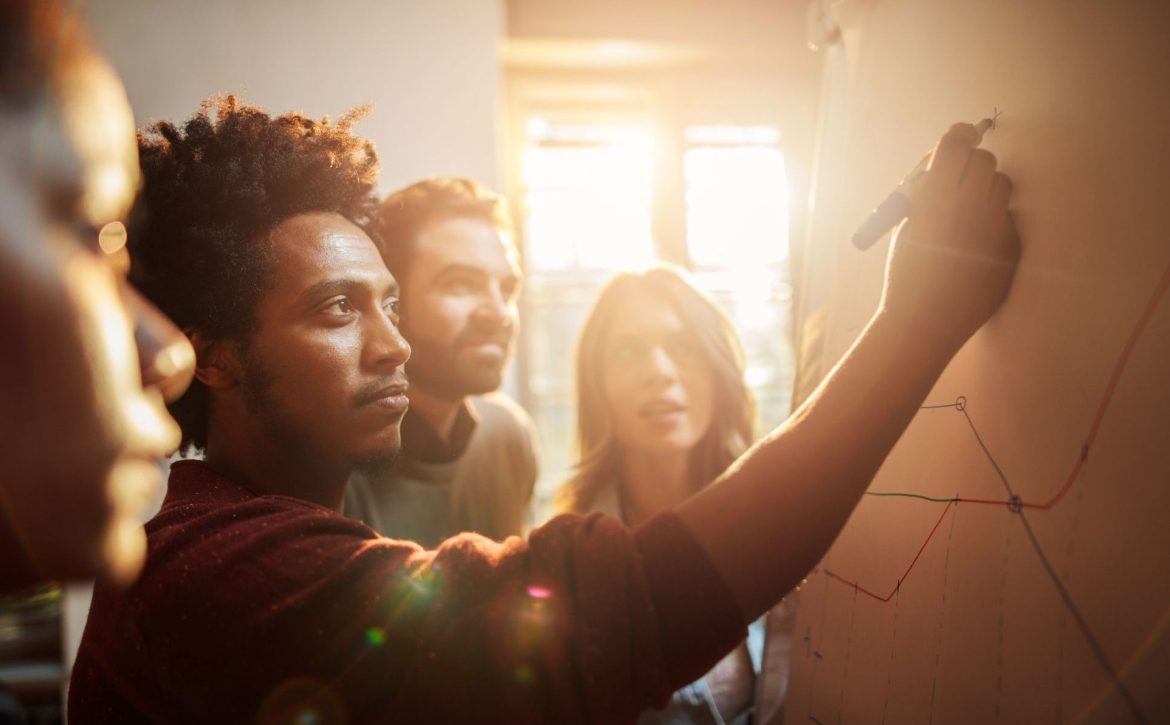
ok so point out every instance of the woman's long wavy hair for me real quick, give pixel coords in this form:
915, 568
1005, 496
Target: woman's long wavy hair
733, 423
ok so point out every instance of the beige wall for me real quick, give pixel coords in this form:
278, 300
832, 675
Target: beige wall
430, 69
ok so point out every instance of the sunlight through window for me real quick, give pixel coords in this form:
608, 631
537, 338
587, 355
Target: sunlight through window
587, 197
736, 197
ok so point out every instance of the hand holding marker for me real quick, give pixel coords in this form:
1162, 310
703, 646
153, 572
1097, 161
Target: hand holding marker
897, 205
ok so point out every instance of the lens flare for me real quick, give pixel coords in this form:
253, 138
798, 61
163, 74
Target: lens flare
375, 636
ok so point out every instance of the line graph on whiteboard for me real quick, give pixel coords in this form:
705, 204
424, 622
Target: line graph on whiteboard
914, 593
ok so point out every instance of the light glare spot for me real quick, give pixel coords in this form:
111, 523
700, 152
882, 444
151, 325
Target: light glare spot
112, 237
375, 636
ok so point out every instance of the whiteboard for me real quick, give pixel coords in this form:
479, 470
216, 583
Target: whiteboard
1042, 594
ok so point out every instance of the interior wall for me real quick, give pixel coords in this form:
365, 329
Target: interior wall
1055, 608
430, 69
731, 22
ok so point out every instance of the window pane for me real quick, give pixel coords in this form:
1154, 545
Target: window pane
737, 239
588, 204
737, 206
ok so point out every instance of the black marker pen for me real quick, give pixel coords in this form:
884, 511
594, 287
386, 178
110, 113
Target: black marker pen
896, 207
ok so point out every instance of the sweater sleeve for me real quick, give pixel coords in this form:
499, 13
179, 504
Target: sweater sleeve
251, 611
587, 622
15, 571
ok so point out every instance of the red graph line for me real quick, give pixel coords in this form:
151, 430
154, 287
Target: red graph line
905, 574
1000, 502
1114, 379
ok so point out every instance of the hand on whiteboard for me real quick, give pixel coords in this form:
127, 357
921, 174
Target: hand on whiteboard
952, 260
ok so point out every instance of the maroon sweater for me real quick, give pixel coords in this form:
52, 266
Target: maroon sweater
16, 572
270, 607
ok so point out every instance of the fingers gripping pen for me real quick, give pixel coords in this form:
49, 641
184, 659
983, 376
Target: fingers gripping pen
896, 207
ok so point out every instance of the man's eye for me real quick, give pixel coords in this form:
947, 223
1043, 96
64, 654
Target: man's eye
340, 306
393, 307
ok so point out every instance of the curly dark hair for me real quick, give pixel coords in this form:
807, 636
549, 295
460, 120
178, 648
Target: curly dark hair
213, 189
404, 213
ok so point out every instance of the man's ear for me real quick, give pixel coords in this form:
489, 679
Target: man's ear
217, 360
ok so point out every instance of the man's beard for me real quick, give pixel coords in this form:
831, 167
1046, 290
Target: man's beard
447, 372
376, 465
257, 391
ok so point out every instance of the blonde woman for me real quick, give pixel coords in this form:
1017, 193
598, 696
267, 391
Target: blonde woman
662, 410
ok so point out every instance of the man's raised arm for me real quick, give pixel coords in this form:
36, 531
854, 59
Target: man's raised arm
775, 513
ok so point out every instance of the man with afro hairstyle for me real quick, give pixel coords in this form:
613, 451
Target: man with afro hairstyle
217, 187
260, 602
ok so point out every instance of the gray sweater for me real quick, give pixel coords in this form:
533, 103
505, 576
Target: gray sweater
482, 482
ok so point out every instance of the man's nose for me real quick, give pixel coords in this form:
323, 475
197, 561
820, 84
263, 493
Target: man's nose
385, 345
165, 356
494, 306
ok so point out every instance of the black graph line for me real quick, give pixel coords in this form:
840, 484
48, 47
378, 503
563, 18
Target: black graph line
893, 651
1062, 590
990, 458
1075, 611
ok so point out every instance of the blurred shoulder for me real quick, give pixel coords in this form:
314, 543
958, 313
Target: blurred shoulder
503, 419
498, 408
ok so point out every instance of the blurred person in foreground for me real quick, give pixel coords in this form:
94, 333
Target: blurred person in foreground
469, 453
85, 362
260, 601
662, 411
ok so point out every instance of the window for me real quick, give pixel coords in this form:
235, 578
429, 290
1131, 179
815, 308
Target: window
736, 197
587, 197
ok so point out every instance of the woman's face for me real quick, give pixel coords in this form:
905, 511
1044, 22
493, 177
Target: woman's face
657, 381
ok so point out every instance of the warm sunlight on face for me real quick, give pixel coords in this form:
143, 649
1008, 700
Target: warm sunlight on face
657, 379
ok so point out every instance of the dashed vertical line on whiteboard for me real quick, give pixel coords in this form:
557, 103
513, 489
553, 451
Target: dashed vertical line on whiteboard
1003, 572
1062, 623
814, 648
848, 652
893, 649
942, 615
